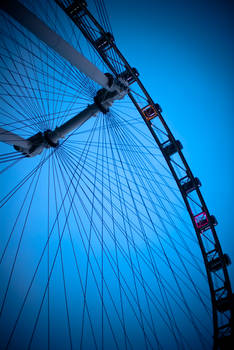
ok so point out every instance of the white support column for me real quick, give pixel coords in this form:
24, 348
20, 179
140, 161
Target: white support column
74, 123
35, 144
30, 21
12, 139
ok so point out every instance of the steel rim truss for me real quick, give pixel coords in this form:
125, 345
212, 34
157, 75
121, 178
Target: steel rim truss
204, 223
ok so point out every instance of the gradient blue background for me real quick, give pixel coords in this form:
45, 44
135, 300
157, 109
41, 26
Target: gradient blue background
183, 51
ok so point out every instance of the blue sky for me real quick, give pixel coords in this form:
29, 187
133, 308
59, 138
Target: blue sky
183, 51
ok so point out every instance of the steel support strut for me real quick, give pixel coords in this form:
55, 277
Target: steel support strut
37, 143
31, 22
113, 88
50, 138
12, 139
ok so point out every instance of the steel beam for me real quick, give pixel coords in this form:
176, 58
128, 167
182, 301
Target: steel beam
74, 123
12, 139
31, 22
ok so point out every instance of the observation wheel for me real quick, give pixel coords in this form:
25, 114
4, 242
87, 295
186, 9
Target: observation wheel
107, 242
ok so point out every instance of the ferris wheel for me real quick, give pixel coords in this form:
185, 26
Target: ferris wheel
107, 242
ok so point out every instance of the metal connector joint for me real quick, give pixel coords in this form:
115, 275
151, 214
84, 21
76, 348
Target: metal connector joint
117, 91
